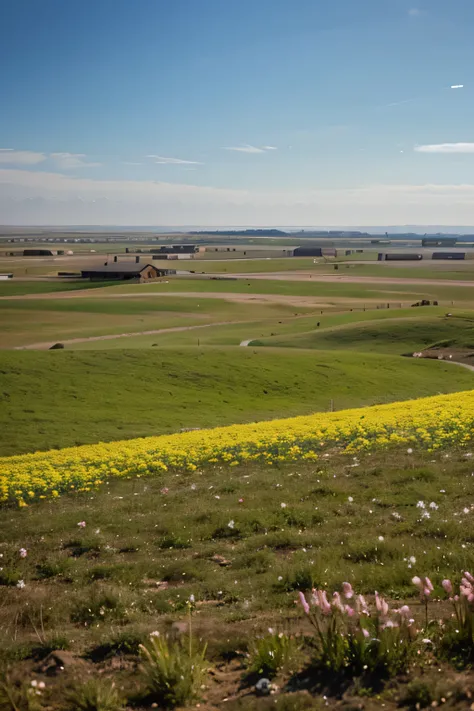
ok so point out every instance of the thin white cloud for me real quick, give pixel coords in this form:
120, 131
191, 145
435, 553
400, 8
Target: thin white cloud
162, 160
9, 156
399, 103
446, 148
247, 148
457, 86
70, 161
126, 162
414, 12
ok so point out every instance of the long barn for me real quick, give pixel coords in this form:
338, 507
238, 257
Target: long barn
122, 272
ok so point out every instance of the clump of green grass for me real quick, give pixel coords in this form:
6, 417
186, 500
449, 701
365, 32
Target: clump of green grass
417, 695
95, 695
299, 579
173, 541
9, 577
124, 643
273, 653
99, 605
54, 568
174, 671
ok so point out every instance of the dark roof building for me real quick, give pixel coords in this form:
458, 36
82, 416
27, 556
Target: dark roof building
438, 241
397, 257
449, 255
123, 271
308, 252
39, 253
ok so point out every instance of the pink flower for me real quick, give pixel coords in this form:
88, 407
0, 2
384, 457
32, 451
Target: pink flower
469, 576
320, 600
447, 586
365, 632
347, 590
404, 612
361, 605
389, 623
337, 602
381, 605
23, 552
164, 490
82, 524
241, 501
304, 603
424, 585
350, 612
467, 589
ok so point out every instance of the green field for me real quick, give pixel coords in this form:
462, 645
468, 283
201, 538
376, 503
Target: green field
462, 271
395, 335
294, 331
242, 539
145, 550
228, 265
337, 291
22, 288
30, 321
110, 395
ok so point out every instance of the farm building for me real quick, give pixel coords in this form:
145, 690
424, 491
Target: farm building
438, 241
4, 277
125, 271
39, 253
175, 249
449, 255
308, 252
329, 252
163, 255
394, 257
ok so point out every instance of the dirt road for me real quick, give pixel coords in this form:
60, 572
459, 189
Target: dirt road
45, 345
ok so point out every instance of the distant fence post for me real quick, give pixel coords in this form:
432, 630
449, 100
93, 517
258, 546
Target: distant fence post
331, 406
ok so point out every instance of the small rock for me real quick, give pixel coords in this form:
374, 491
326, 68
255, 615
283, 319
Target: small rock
264, 687
57, 662
220, 560
156, 584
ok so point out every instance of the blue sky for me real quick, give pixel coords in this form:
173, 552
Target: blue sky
221, 112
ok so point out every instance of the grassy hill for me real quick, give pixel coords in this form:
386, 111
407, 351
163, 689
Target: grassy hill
397, 336
58, 398
242, 541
